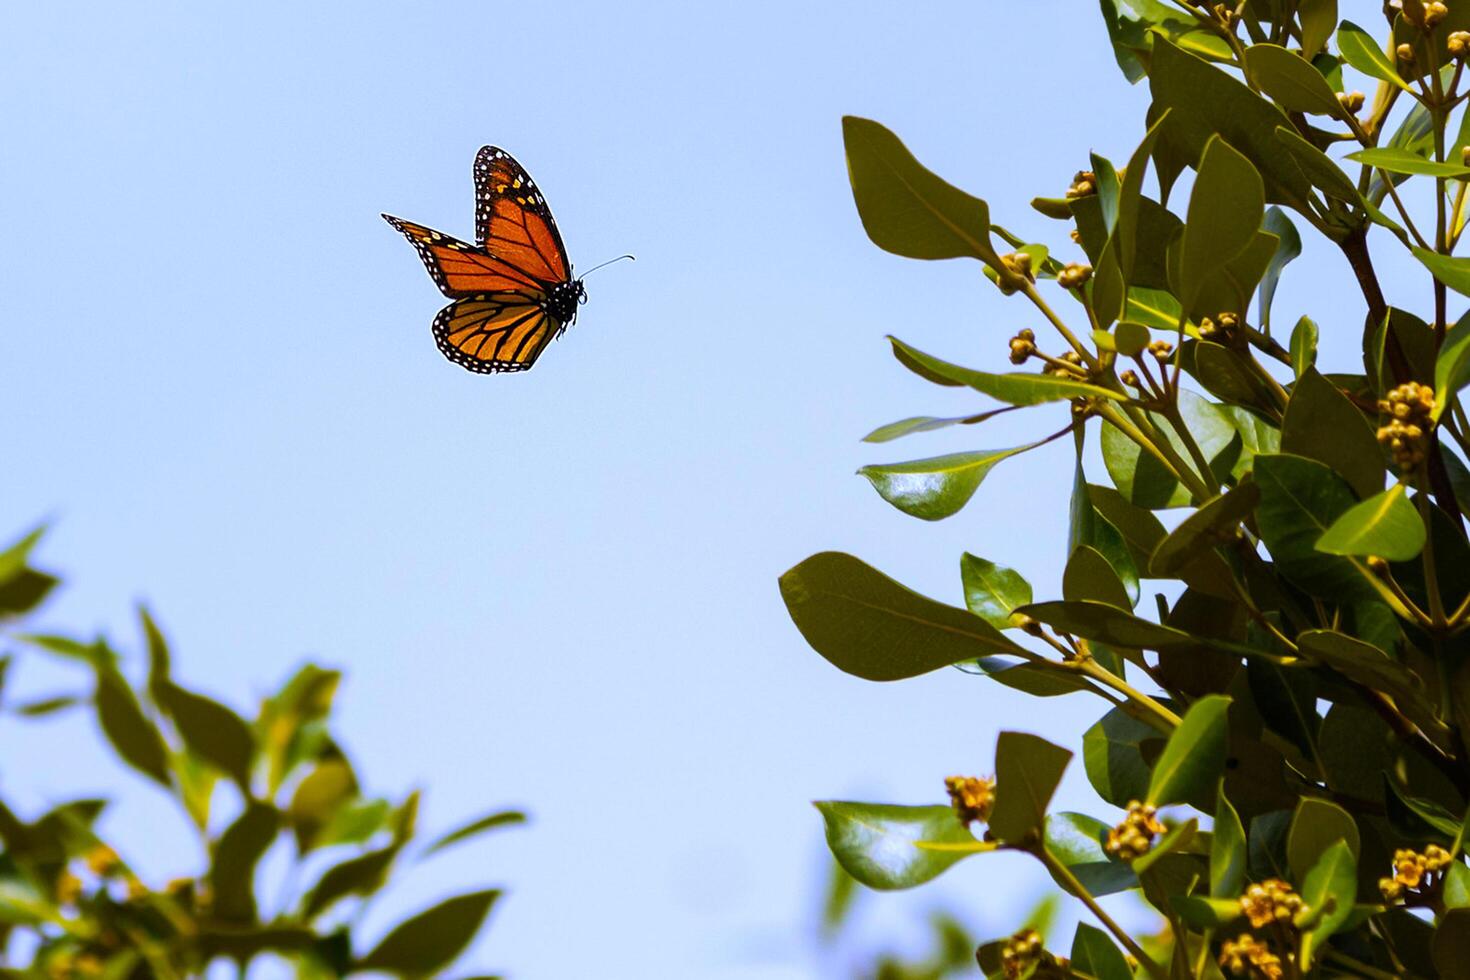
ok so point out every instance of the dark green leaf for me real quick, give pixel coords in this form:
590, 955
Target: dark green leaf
907, 209
1318, 168
361, 875
1027, 771
502, 818
1095, 955
1288, 247
240, 848
46, 706
1300, 499
1451, 947
1225, 210
1318, 19
1386, 525
1116, 752
1316, 408
1076, 840
1315, 827
1193, 759
216, 733
1290, 80
867, 624
431, 940
890, 847
1116, 628
992, 591
1038, 680
131, 733
1213, 524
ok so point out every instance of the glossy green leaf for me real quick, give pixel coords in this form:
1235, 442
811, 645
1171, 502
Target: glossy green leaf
1401, 161
992, 591
131, 733
1027, 771
502, 818
1076, 841
431, 940
1317, 407
1453, 272
867, 624
1095, 955
1288, 247
1117, 752
1300, 499
1227, 374
1452, 365
1329, 891
318, 798
1193, 759
907, 209
1226, 208
1088, 527
240, 848
1386, 525
938, 487
1212, 524
1227, 851
1143, 480
1290, 80
210, 729
1140, 530
925, 423
1316, 826
1359, 49
890, 847
1017, 389
1303, 346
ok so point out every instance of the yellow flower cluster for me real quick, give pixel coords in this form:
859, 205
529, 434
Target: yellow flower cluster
1408, 408
1270, 901
1023, 345
1247, 956
1133, 837
972, 797
1162, 350
1434, 13
1073, 275
1458, 44
1414, 870
1221, 329
1351, 101
1084, 183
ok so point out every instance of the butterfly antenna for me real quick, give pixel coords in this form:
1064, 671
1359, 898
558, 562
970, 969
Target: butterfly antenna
608, 262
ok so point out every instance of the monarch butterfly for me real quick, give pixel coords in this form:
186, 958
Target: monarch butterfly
513, 292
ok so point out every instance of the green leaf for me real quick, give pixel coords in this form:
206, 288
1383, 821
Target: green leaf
1175, 839
1130, 203
502, 818
992, 591
1227, 851
1194, 757
1206, 913
1290, 80
1303, 346
431, 940
1143, 481
355, 822
1456, 894
1400, 161
907, 209
1077, 841
158, 655
1386, 525
1453, 272
1095, 955
925, 423
1322, 424
129, 730
1116, 752
1318, 18
1363, 663
1209, 526
360, 875
1316, 826
1017, 389
240, 848
1035, 679
1088, 575
938, 487
1318, 168
1300, 499
1359, 49
1329, 891
890, 847
1116, 628
1452, 366
318, 798
1225, 210
868, 625
1288, 247
46, 706
1027, 771
1451, 946
216, 733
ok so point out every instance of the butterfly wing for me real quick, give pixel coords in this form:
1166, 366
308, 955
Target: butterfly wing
460, 269
512, 220
495, 332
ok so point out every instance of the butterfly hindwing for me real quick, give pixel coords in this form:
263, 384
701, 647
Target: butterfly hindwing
495, 332
512, 219
460, 269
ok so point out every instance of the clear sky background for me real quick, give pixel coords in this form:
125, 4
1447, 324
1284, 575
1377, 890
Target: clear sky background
554, 590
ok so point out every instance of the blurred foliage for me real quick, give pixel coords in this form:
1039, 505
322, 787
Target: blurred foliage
1268, 582
72, 906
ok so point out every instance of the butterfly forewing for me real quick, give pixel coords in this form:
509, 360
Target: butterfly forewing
495, 332
460, 269
512, 219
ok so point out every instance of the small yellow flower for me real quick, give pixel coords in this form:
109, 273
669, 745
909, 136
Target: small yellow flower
1135, 834
1247, 956
972, 797
1270, 901
1073, 275
1351, 101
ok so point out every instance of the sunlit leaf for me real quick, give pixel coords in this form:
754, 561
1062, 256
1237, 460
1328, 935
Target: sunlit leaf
1385, 524
890, 847
1027, 771
1193, 759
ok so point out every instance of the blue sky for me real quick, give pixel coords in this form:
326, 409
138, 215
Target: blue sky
554, 590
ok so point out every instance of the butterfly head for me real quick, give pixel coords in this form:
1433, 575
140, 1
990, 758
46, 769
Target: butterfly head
563, 300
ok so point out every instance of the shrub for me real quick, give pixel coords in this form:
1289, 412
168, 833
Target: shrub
72, 906
1283, 738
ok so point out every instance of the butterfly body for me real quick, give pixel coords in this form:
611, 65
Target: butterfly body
513, 292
